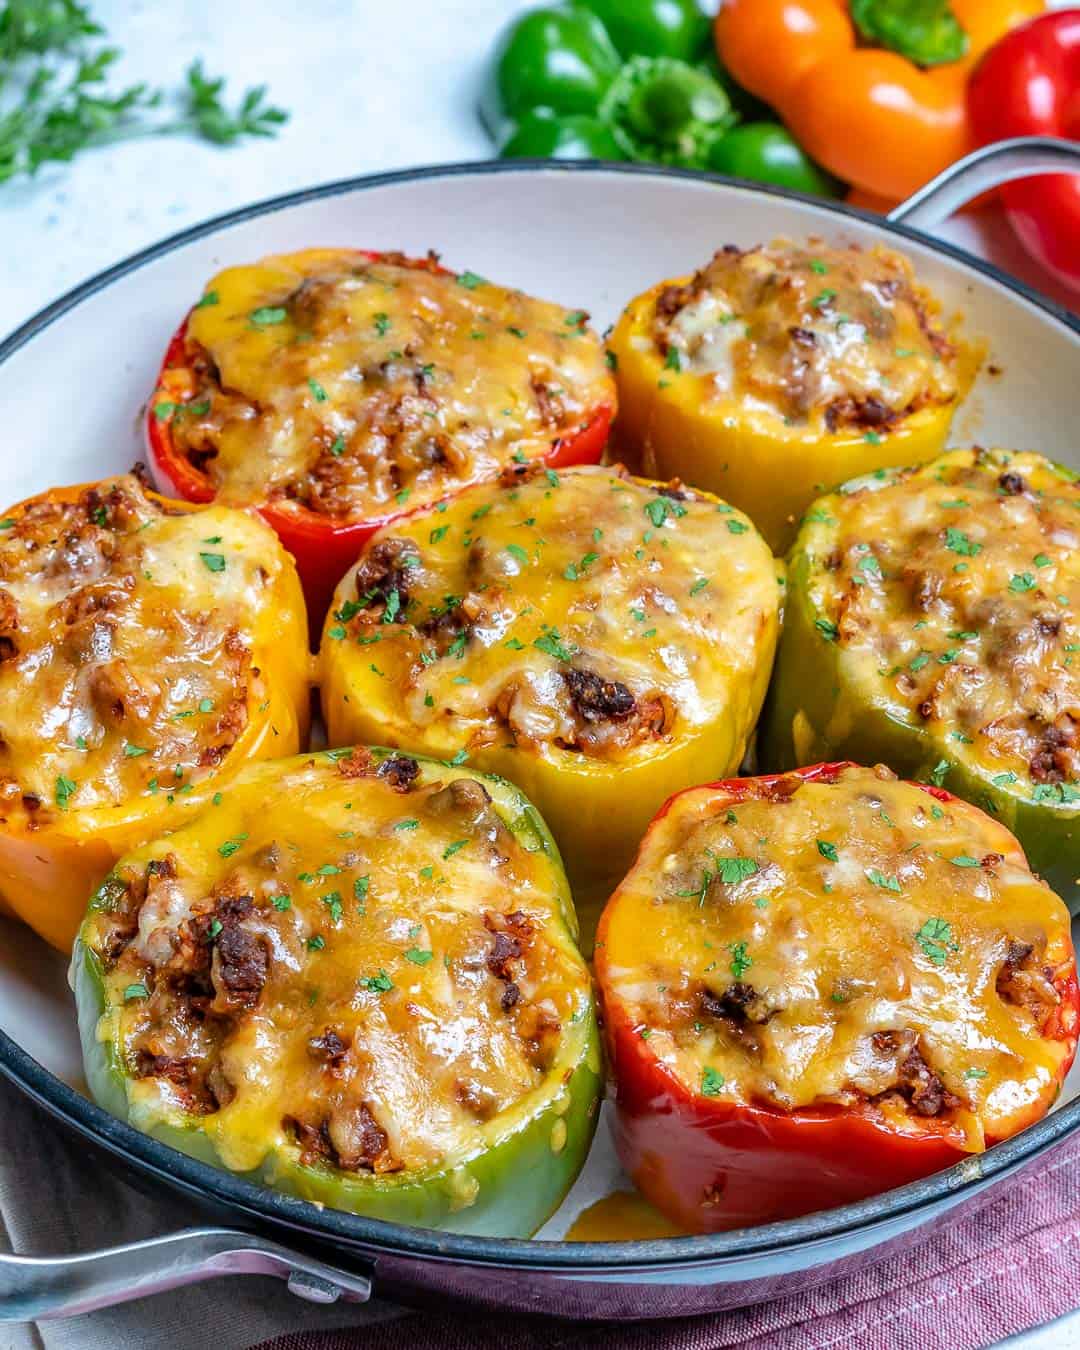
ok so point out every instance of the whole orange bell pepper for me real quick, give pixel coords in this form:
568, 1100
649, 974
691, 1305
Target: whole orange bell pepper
872, 117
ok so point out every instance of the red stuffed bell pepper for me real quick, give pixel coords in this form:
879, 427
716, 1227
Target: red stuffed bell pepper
1029, 85
821, 985
338, 389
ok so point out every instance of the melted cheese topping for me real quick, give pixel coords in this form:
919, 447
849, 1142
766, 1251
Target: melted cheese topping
366, 966
125, 645
352, 386
953, 595
802, 947
580, 611
816, 334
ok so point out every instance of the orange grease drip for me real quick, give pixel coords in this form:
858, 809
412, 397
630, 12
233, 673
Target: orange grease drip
623, 1216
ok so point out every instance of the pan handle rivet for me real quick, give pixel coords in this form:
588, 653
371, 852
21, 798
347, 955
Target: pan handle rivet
312, 1288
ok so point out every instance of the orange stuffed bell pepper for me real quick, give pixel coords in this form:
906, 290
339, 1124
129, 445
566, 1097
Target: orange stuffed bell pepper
821, 985
869, 92
149, 650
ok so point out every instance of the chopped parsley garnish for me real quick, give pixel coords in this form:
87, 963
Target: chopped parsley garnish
660, 508
822, 298
382, 324
316, 943
65, 790
470, 280
231, 846
213, 562
740, 960
827, 629
711, 1081
573, 571
134, 991
411, 824
737, 527
266, 315
964, 860
281, 902
939, 771
733, 870
517, 552
699, 585
360, 888
553, 644
210, 298
377, 984
455, 847
392, 607
1003, 779
959, 542
1020, 582
418, 957
673, 361
338, 447
886, 883
332, 900
827, 850
1041, 560
318, 392
936, 940
134, 751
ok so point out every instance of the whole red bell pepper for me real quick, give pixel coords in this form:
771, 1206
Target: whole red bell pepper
714, 1161
1028, 84
324, 547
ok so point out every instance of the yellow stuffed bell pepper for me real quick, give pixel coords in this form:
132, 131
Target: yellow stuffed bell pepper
148, 651
600, 640
775, 372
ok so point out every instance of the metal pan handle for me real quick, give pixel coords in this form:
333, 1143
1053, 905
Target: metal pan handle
33, 1287
982, 170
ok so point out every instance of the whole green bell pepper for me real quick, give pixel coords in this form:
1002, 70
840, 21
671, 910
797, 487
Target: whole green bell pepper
766, 152
228, 1003
607, 80
675, 28
544, 134
559, 57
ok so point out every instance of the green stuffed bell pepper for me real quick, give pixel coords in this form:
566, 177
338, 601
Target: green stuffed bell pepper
353, 979
932, 623
600, 79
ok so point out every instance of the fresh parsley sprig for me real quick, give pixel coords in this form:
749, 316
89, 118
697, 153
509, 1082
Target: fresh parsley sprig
55, 100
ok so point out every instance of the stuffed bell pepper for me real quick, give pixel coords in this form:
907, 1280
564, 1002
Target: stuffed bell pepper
601, 640
933, 622
352, 978
148, 651
777, 371
335, 390
819, 986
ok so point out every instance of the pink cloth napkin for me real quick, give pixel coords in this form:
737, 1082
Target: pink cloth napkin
1010, 1266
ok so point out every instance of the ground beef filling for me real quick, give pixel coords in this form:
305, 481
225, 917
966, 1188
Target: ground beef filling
990, 662
404, 428
91, 547
843, 333
899, 1066
194, 983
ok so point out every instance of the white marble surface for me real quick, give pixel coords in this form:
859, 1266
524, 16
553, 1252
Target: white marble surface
370, 85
